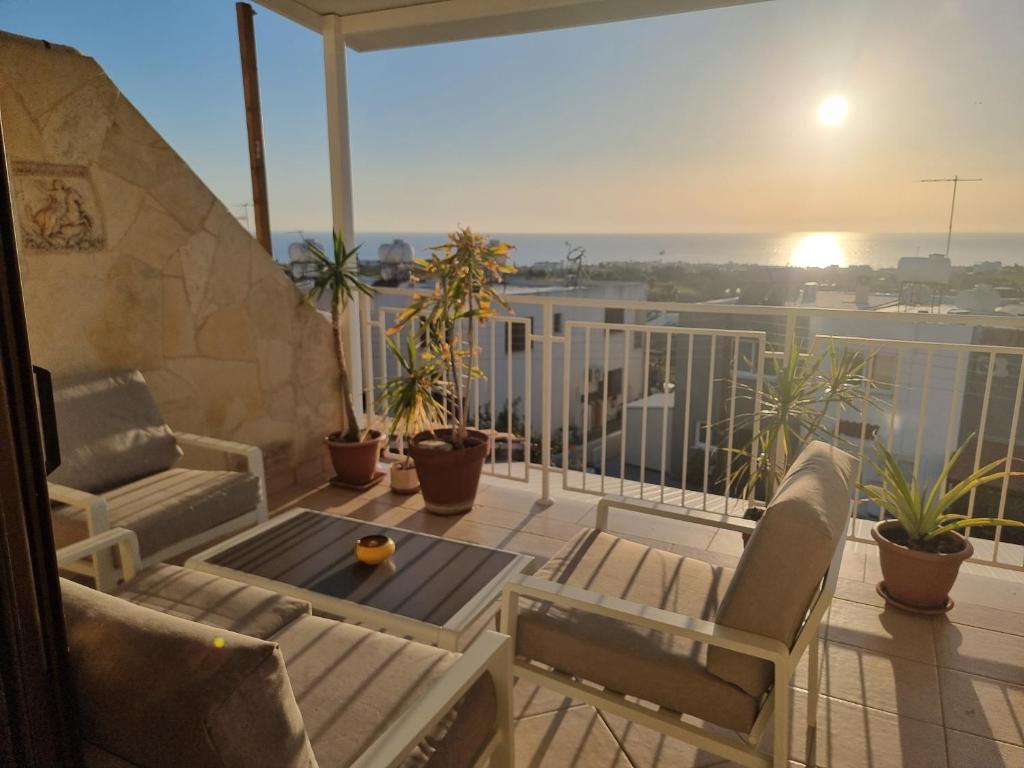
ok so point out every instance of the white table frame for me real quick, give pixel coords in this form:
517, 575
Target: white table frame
453, 635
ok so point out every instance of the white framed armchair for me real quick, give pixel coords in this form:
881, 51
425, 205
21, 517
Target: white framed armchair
616, 623
122, 466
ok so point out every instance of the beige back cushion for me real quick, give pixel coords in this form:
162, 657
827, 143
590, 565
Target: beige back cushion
785, 560
158, 691
111, 432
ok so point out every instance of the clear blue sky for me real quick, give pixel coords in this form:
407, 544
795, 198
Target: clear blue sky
698, 122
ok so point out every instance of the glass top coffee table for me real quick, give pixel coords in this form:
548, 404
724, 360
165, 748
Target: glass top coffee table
432, 589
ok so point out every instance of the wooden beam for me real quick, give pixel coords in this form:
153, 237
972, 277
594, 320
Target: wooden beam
254, 123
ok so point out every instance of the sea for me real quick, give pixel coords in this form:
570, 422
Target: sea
806, 249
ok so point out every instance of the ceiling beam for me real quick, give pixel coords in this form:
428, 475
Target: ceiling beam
453, 20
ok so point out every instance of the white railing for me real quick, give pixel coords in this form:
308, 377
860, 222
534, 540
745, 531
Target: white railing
637, 399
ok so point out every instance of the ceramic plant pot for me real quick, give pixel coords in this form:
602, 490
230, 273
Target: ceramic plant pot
449, 477
916, 580
404, 479
355, 464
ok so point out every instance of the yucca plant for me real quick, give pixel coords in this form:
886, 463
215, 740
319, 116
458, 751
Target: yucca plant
799, 398
337, 276
463, 273
923, 512
415, 398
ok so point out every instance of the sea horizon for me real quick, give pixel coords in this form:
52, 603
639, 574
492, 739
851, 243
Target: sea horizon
807, 249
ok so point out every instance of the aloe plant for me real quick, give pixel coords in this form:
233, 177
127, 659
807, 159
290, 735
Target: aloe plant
923, 512
415, 398
798, 395
338, 277
463, 273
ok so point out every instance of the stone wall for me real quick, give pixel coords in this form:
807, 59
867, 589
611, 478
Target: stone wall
129, 261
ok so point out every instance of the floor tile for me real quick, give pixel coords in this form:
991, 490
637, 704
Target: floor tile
967, 751
983, 706
646, 748
859, 592
532, 699
983, 617
527, 522
888, 683
568, 738
851, 736
980, 651
884, 630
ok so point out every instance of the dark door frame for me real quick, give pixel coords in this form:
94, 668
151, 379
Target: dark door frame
35, 691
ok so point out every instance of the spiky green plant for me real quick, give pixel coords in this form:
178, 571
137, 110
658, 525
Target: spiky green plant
337, 276
924, 512
415, 398
463, 272
799, 399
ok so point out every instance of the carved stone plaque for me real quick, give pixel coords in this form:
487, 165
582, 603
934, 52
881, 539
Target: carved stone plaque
56, 207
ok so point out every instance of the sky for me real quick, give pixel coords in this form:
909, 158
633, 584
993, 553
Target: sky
699, 122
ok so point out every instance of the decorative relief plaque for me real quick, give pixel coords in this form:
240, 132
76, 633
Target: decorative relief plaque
56, 207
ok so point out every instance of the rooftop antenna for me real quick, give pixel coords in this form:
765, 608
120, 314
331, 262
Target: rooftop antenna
956, 180
243, 217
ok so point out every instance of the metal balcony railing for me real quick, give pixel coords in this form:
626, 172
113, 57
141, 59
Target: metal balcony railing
649, 400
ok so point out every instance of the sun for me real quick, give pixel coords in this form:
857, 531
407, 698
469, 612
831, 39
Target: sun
833, 110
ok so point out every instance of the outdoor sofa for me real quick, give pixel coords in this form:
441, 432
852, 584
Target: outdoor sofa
123, 467
625, 626
181, 668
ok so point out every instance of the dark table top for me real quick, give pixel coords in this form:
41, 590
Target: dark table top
428, 579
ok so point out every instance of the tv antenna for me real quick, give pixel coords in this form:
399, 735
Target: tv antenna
243, 217
956, 180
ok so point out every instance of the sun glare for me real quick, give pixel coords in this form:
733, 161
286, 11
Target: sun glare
818, 250
833, 110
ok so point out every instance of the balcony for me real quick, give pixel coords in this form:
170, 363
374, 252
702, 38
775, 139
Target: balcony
588, 393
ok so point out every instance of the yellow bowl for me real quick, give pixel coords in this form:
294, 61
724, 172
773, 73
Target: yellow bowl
375, 549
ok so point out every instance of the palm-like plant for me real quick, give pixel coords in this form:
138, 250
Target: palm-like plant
463, 273
415, 398
923, 512
800, 399
337, 276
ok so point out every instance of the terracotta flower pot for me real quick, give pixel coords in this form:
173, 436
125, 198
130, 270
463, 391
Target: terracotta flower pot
912, 578
404, 479
449, 477
355, 464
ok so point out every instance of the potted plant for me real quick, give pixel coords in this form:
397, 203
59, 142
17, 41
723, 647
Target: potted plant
415, 400
920, 549
462, 275
801, 399
354, 451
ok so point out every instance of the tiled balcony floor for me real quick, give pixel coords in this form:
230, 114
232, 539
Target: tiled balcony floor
898, 689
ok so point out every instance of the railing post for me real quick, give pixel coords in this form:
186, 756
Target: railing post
545, 425
790, 340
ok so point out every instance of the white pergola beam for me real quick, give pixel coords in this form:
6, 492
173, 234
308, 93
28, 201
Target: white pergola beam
371, 26
339, 150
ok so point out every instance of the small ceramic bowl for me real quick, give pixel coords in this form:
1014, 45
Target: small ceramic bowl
375, 549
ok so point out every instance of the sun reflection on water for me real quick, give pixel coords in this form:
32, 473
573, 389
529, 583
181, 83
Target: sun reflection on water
817, 250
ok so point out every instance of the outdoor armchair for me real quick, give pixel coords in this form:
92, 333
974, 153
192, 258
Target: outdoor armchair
122, 466
610, 621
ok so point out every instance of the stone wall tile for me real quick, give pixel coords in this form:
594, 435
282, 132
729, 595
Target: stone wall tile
227, 335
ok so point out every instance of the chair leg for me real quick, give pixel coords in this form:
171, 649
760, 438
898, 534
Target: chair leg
813, 684
502, 675
780, 740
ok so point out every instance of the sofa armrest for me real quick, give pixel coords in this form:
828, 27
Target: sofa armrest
490, 653
202, 452
126, 542
700, 630
672, 512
